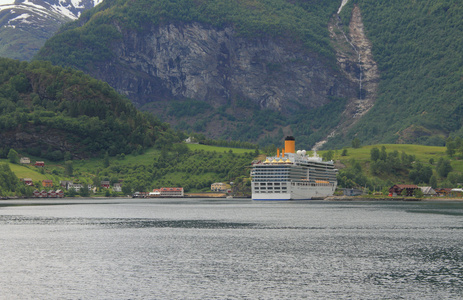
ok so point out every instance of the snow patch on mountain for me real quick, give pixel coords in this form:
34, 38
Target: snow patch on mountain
22, 18
68, 8
25, 25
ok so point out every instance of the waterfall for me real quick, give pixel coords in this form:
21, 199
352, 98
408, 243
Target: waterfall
344, 2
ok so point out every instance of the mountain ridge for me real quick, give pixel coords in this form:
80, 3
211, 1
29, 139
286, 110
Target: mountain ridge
415, 46
25, 25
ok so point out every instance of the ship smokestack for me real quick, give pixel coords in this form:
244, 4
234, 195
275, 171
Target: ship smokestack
278, 152
290, 144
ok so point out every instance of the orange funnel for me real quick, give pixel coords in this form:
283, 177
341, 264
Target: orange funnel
290, 144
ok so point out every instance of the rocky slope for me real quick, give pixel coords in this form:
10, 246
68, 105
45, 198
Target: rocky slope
196, 61
354, 56
245, 86
25, 25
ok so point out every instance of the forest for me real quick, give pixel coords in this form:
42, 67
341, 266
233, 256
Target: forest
83, 116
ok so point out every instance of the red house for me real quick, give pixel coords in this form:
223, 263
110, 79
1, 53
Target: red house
397, 189
28, 181
171, 192
39, 164
105, 184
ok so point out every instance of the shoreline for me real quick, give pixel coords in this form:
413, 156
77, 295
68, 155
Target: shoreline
392, 199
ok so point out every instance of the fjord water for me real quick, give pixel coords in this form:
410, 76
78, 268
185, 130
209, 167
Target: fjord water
230, 249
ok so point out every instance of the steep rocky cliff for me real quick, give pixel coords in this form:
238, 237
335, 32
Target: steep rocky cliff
245, 82
196, 61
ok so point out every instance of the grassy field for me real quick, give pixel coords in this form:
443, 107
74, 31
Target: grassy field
422, 153
89, 166
218, 149
26, 171
85, 170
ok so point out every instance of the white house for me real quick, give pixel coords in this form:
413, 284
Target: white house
25, 160
117, 187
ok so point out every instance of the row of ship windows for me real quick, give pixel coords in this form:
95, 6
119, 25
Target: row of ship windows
270, 183
270, 188
269, 192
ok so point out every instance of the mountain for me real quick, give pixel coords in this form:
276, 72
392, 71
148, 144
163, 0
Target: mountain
25, 25
327, 72
47, 111
419, 51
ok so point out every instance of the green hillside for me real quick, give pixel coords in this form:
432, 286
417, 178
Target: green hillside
196, 167
418, 46
378, 167
53, 113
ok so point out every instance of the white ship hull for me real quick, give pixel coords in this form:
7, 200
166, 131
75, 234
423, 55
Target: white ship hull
296, 193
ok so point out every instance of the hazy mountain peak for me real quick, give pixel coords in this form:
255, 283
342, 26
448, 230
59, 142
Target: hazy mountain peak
26, 24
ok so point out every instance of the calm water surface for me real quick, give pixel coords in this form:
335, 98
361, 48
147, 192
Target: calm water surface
230, 249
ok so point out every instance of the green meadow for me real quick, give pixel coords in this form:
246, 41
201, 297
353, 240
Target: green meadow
197, 166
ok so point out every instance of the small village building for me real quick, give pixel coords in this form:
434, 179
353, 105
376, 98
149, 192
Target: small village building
117, 187
43, 194
428, 191
191, 140
24, 160
172, 192
51, 194
218, 187
140, 195
59, 194
47, 183
397, 189
445, 192
65, 184
155, 193
28, 181
105, 184
352, 192
457, 192
36, 194
39, 164
76, 186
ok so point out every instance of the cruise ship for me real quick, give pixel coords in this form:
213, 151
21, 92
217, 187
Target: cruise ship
293, 175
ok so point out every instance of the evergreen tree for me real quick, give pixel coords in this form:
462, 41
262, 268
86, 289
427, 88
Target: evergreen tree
106, 160
374, 154
443, 167
433, 181
13, 156
68, 168
451, 147
418, 193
